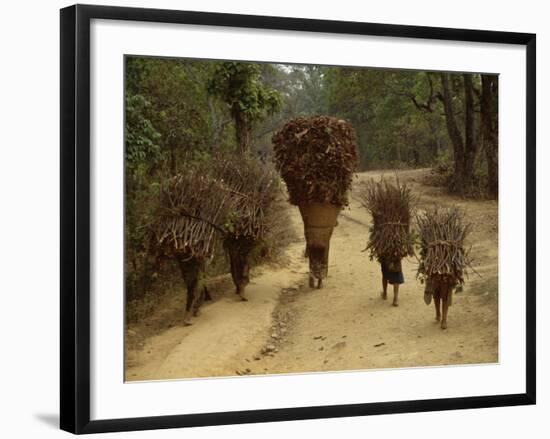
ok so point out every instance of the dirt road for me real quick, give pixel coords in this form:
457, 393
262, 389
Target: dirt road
287, 327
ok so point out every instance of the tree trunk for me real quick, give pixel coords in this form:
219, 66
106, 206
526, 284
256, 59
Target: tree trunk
471, 145
172, 158
454, 134
434, 142
489, 122
464, 150
242, 133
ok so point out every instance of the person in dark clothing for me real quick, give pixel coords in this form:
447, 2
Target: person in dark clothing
392, 273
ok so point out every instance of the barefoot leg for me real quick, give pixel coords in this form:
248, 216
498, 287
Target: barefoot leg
240, 293
190, 271
395, 295
437, 303
444, 299
207, 296
187, 319
191, 290
384, 288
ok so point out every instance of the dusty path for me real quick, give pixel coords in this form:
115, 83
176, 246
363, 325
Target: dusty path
288, 327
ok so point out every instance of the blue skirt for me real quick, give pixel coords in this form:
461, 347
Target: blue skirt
393, 273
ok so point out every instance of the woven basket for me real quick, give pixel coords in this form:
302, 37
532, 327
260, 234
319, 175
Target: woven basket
319, 222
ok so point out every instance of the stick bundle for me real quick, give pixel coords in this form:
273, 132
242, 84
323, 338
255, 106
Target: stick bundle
316, 157
391, 209
253, 188
442, 253
193, 205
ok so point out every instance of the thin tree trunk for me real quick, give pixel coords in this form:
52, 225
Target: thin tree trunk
434, 143
172, 158
454, 133
471, 145
489, 122
214, 120
242, 133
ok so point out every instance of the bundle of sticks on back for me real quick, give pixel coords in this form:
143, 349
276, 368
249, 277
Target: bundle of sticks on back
442, 254
316, 157
193, 207
391, 209
253, 187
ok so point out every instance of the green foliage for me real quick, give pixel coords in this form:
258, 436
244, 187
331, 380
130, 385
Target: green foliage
240, 86
392, 131
140, 262
142, 139
180, 109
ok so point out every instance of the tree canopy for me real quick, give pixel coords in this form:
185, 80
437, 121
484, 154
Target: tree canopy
240, 86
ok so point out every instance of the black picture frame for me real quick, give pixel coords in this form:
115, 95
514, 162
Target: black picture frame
75, 217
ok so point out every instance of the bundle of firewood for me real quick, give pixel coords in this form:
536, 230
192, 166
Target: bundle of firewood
253, 187
442, 245
391, 207
193, 206
316, 157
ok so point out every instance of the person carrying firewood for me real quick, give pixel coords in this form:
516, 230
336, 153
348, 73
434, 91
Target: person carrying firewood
390, 238
443, 257
392, 273
316, 157
191, 209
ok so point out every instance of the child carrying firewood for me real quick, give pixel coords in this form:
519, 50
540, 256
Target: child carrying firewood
390, 238
443, 258
391, 273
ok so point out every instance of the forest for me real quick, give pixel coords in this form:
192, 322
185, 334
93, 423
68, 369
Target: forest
184, 114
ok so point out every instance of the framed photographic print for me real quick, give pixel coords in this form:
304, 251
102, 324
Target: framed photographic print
268, 218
